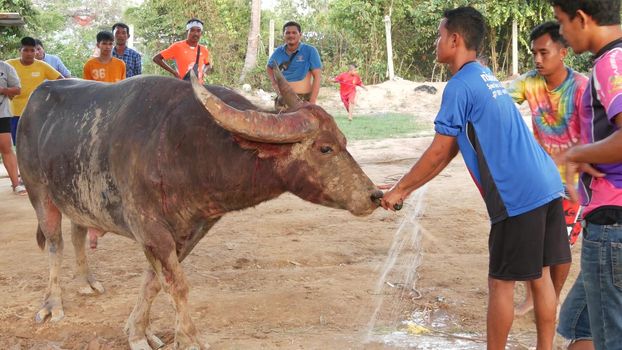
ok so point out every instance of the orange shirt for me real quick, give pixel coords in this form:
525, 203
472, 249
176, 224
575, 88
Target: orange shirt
110, 72
185, 56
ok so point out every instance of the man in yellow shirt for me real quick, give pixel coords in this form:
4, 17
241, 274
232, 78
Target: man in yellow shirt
31, 73
105, 67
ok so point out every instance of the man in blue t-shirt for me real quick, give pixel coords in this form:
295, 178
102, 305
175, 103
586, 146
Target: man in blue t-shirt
518, 180
52, 60
300, 64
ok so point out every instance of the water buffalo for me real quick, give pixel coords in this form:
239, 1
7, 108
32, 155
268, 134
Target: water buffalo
160, 161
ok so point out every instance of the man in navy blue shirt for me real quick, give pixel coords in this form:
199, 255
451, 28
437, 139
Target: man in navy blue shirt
300, 64
132, 59
517, 179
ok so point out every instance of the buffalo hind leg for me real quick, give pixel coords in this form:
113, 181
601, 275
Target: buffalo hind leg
87, 282
140, 335
173, 280
49, 231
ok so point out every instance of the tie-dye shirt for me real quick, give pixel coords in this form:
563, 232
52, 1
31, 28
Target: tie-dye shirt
554, 113
602, 102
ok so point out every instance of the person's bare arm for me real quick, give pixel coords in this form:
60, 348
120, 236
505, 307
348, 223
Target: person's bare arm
159, 60
440, 152
315, 89
10, 92
579, 158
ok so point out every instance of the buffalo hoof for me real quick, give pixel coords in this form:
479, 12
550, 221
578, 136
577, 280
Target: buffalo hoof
90, 287
154, 341
140, 345
49, 309
196, 346
150, 342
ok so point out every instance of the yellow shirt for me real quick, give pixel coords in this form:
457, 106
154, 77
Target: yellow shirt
110, 72
30, 77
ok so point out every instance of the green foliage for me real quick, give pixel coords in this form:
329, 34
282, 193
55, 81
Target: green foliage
381, 126
344, 31
360, 25
581, 63
159, 23
9, 44
53, 23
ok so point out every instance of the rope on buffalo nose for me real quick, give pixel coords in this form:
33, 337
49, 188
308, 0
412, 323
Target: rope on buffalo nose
389, 182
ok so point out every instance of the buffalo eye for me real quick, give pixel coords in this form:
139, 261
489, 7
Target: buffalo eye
326, 149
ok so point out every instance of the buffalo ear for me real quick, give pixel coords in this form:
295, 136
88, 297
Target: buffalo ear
263, 150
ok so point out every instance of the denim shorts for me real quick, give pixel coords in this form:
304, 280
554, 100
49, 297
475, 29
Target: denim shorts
599, 287
574, 322
14, 123
601, 268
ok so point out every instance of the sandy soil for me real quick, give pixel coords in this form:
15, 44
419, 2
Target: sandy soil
286, 274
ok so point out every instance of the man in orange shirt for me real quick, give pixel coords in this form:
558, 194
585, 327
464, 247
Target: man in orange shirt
184, 53
105, 67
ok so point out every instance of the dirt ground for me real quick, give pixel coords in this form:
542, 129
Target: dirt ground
286, 274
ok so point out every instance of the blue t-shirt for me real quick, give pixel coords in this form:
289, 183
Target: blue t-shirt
509, 167
305, 60
57, 64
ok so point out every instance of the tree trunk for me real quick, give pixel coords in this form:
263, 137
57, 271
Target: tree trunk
253, 40
493, 51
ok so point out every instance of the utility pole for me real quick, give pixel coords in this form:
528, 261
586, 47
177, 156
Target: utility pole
387, 27
514, 48
271, 39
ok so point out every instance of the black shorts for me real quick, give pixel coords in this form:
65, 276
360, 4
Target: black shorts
520, 246
5, 125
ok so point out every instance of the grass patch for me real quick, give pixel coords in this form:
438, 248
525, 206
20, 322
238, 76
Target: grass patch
382, 126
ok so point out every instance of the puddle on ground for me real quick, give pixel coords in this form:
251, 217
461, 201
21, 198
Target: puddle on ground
427, 330
430, 328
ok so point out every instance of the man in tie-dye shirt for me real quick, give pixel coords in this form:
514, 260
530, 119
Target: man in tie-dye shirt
553, 92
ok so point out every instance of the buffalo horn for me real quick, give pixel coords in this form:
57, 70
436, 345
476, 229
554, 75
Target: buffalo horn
254, 125
290, 98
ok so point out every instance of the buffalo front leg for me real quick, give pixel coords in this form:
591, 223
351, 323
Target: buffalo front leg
86, 280
173, 280
137, 327
49, 230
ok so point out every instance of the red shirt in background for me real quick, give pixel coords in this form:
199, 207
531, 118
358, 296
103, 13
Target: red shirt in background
348, 83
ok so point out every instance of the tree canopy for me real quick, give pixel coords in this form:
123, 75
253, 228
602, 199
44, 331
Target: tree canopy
344, 31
